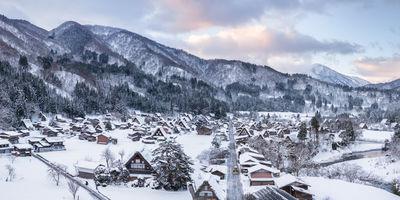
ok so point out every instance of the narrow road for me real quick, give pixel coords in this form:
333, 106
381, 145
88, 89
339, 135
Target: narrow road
235, 189
68, 176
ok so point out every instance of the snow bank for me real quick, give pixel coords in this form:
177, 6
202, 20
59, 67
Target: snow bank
342, 190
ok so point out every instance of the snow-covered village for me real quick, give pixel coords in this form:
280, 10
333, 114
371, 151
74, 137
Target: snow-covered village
248, 155
199, 100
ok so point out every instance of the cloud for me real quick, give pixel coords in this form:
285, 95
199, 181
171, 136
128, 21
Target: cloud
379, 69
254, 42
190, 15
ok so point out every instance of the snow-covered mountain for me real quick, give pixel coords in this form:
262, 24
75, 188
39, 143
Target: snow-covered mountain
392, 85
70, 44
329, 75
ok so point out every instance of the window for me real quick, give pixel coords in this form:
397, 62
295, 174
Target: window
137, 166
205, 194
137, 160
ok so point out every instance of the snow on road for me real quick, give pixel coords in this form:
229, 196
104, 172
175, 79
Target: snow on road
235, 189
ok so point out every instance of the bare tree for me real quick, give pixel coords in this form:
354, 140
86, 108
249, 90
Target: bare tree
121, 154
56, 174
10, 172
300, 156
12, 158
108, 156
73, 188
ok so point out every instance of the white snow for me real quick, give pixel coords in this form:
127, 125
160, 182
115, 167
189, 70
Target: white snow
342, 190
32, 182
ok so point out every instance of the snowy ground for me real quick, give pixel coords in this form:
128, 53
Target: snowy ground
332, 155
376, 136
78, 150
341, 190
32, 182
369, 140
382, 167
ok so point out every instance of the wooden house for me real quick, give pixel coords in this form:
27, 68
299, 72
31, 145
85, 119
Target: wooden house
203, 130
298, 189
218, 170
138, 165
243, 132
60, 118
270, 192
28, 124
39, 145
42, 117
49, 132
24, 133
138, 120
5, 146
56, 144
182, 124
363, 126
159, 132
136, 136
262, 175
11, 136
207, 188
22, 150
105, 139
85, 169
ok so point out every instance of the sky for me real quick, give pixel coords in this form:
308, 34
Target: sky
354, 37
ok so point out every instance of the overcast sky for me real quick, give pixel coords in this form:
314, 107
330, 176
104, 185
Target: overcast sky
354, 37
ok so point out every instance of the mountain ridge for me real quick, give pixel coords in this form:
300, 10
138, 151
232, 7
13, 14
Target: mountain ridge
74, 56
329, 75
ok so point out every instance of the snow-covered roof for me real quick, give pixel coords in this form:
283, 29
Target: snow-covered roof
214, 182
161, 129
287, 179
247, 158
54, 139
270, 192
263, 167
301, 190
23, 146
11, 133
28, 123
213, 168
86, 166
4, 142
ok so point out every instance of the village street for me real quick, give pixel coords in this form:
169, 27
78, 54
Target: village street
235, 190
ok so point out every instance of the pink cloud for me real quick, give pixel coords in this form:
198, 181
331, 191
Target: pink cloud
379, 69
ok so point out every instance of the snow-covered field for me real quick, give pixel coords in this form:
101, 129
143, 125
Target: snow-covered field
32, 182
341, 190
381, 167
369, 140
376, 136
328, 156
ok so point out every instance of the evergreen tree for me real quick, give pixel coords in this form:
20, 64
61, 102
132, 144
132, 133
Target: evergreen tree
23, 62
172, 166
315, 126
102, 175
302, 132
348, 135
396, 187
